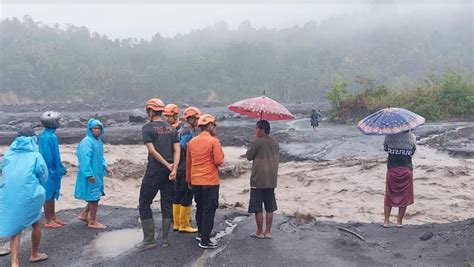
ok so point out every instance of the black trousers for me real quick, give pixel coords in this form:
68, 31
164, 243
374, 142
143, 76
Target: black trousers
207, 201
156, 179
182, 194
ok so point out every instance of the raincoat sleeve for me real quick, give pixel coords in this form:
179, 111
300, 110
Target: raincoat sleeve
217, 153
41, 169
84, 156
56, 157
104, 163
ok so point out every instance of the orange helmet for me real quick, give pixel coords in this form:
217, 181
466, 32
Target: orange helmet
171, 110
191, 111
155, 104
206, 119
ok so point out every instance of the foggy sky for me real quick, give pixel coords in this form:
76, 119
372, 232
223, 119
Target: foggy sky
124, 19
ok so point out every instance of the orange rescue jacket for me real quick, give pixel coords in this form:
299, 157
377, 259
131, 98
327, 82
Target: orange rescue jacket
203, 157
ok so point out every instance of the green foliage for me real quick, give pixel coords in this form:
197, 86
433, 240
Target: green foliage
335, 96
451, 96
455, 95
337, 93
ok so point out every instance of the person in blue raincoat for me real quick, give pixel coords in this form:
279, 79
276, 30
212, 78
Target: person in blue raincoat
92, 169
49, 149
22, 194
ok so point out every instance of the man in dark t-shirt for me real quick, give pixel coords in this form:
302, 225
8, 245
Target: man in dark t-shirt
162, 136
162, 143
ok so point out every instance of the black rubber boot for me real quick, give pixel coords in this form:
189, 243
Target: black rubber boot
166, 226
148, 242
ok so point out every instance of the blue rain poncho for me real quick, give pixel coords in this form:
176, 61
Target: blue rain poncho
21, 186
90, 154
49, 149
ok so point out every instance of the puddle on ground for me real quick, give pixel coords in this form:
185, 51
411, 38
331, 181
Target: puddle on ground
114, 243
231, 224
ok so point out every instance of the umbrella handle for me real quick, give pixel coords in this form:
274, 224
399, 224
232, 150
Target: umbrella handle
261, 114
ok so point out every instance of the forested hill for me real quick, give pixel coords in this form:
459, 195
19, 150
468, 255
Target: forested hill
218, 64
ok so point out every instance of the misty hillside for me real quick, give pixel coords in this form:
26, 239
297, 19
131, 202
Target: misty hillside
217, 64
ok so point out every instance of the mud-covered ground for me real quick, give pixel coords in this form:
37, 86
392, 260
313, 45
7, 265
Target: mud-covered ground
298, 140
297, 241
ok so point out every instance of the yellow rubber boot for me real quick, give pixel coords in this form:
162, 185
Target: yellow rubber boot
176, 218
185, 219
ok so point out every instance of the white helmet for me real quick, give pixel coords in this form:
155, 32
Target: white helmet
50, 119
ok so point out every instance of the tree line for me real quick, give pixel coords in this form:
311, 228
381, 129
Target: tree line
216, 63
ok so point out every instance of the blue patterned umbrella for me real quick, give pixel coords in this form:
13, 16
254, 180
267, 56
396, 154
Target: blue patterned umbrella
390, 121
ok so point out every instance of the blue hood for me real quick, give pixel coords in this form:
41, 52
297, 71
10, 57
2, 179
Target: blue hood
24, 143
91, 124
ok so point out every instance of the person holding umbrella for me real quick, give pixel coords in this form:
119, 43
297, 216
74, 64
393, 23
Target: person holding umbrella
400, 144
264, 152
399, 183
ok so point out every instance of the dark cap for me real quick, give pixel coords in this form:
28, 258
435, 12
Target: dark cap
26, 131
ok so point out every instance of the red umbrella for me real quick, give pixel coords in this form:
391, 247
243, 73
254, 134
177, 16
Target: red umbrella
262, 107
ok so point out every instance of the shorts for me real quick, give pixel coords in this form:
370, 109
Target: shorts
259, 196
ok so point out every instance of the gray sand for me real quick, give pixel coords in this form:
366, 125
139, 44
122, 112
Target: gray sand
296, 242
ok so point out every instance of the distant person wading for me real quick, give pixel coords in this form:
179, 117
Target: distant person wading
315, 118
